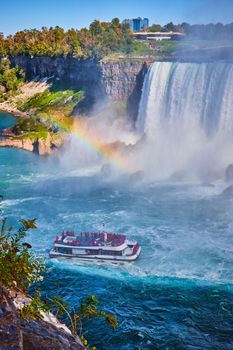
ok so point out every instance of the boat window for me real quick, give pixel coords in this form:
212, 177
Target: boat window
77, 251
92, 252
65, 250
111, 252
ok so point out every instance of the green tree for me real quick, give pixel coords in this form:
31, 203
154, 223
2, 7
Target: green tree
115, 23
155, 28
96, 28
2, 45
170, 27
10, 78
88, 309
18, 267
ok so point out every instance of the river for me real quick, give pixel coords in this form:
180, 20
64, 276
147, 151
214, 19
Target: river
6, 120
177, 295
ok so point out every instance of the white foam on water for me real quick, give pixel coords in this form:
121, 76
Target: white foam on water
15, 202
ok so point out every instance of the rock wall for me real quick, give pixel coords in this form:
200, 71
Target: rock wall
39, 146
18, 334
121, 80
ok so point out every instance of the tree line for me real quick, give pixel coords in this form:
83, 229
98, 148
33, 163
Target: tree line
210, 31
99, 39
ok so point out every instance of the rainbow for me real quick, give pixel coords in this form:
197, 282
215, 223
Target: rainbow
109, 151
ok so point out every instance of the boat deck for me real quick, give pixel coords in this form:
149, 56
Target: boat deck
94, 239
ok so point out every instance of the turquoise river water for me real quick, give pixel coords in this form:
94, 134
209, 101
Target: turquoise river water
6, 120
177, 295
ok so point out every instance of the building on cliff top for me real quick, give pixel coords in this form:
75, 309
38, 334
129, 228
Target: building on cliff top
137, 24
158, 36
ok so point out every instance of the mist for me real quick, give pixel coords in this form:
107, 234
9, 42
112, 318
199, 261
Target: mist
206, 43
186, 118
183, 131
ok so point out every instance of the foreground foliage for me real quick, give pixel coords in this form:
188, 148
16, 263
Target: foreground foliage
19, 268
88, 309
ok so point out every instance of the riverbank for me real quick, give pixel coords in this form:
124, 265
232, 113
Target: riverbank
40, 143
8, 108
27, 90
35, 130
41, 146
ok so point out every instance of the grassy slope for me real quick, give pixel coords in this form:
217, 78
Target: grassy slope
143, 49
50, 112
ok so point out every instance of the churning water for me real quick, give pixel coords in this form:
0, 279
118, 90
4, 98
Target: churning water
178, 295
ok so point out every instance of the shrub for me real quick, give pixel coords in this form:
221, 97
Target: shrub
18, 266
10, 78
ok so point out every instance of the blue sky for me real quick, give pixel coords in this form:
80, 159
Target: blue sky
25, 14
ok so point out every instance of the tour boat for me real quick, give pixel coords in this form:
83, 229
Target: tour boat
93, 245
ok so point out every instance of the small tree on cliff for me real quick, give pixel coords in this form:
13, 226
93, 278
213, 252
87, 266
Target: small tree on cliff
10, 78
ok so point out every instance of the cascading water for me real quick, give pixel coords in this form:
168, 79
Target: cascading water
186, 114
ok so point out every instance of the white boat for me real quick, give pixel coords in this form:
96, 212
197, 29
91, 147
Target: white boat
94, 245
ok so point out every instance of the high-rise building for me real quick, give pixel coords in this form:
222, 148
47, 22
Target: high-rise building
137, 24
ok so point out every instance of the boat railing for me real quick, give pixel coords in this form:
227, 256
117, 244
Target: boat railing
91, 239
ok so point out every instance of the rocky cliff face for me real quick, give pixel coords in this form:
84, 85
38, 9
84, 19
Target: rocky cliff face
121, 80
18, 334
38, 146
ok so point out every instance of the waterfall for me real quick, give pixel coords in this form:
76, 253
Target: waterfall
186, 116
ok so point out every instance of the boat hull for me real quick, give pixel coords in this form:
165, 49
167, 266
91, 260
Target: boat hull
130, 258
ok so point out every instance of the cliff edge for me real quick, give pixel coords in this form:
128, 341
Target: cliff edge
39, 334
120, 80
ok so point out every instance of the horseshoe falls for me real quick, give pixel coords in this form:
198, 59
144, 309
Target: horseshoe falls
186, 115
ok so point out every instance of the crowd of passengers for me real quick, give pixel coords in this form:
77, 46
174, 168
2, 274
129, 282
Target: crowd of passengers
92, 238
